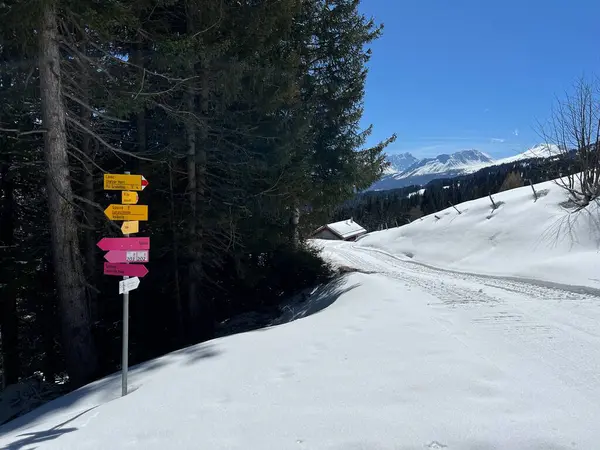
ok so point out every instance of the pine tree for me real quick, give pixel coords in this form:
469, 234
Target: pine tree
513, 180
334, 35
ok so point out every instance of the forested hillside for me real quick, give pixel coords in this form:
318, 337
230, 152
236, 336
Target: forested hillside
378, 210
242, 115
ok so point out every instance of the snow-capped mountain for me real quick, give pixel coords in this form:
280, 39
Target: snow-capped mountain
406, 170
447, 164
400, 162
422, 171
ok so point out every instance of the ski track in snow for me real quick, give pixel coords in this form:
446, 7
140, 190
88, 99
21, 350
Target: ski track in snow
546, 323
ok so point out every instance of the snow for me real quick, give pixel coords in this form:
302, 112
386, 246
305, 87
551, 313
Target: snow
346, 228
419, 192
396, 355
538, 151
522, 238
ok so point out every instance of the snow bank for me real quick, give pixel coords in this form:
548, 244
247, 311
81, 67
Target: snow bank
524, 238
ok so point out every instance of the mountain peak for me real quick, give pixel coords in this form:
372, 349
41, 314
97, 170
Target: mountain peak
471, 155
399, 162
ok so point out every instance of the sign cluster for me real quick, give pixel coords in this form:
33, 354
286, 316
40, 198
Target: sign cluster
124, 254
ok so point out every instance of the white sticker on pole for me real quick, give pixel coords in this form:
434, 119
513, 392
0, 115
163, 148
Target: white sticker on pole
128, 285
137, 256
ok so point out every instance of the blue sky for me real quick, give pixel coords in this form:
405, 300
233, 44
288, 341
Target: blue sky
454, 75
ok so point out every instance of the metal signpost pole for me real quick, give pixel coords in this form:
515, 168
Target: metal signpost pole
125, 350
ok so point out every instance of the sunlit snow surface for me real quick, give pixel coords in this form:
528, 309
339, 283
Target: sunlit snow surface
404, 356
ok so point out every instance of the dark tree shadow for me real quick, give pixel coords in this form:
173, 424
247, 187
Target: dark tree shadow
103, 391
195, 353
27, 439
321, 298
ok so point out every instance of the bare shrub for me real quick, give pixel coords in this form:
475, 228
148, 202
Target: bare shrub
574, 128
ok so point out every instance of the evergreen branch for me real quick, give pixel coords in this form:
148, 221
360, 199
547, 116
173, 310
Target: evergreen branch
20, 133
130, 64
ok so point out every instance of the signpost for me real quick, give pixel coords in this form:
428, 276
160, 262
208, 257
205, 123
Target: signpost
124, 182
125, 270
130, 227
127, 285
128, 256
123, 251
127, 212
129, 198
126, 243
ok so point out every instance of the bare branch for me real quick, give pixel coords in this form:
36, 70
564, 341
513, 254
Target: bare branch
92, 109
20, 133
106, 144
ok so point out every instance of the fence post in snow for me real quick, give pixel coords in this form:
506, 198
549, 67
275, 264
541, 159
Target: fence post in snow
454, 207
494, 206
535, 197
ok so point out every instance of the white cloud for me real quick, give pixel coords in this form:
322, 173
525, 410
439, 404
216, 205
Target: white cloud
497, 140
443, 138
516, 132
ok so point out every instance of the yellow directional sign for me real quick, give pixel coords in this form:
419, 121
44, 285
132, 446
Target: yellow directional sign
130, 227
122, 182
127, 212
129, 197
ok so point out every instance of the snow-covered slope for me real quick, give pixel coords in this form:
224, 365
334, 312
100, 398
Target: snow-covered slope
539, 151
447, 166
522, 238
399, 356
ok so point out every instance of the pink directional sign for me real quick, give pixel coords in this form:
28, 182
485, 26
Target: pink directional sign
125, 243
124, 256
128, 270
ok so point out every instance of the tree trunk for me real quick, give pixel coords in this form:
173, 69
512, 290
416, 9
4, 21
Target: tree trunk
206, 323
194, 188
80, 354
175, 236
9, 322
45, 282
295, 221
89, 236
195, 261
140, 120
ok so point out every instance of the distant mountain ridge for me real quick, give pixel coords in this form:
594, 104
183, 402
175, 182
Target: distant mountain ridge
406, 170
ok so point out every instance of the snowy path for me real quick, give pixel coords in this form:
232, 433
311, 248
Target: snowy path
557, 326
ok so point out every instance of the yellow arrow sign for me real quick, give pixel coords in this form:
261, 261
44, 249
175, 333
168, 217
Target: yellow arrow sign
129, 198
130, 227
127, 212
122, 182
